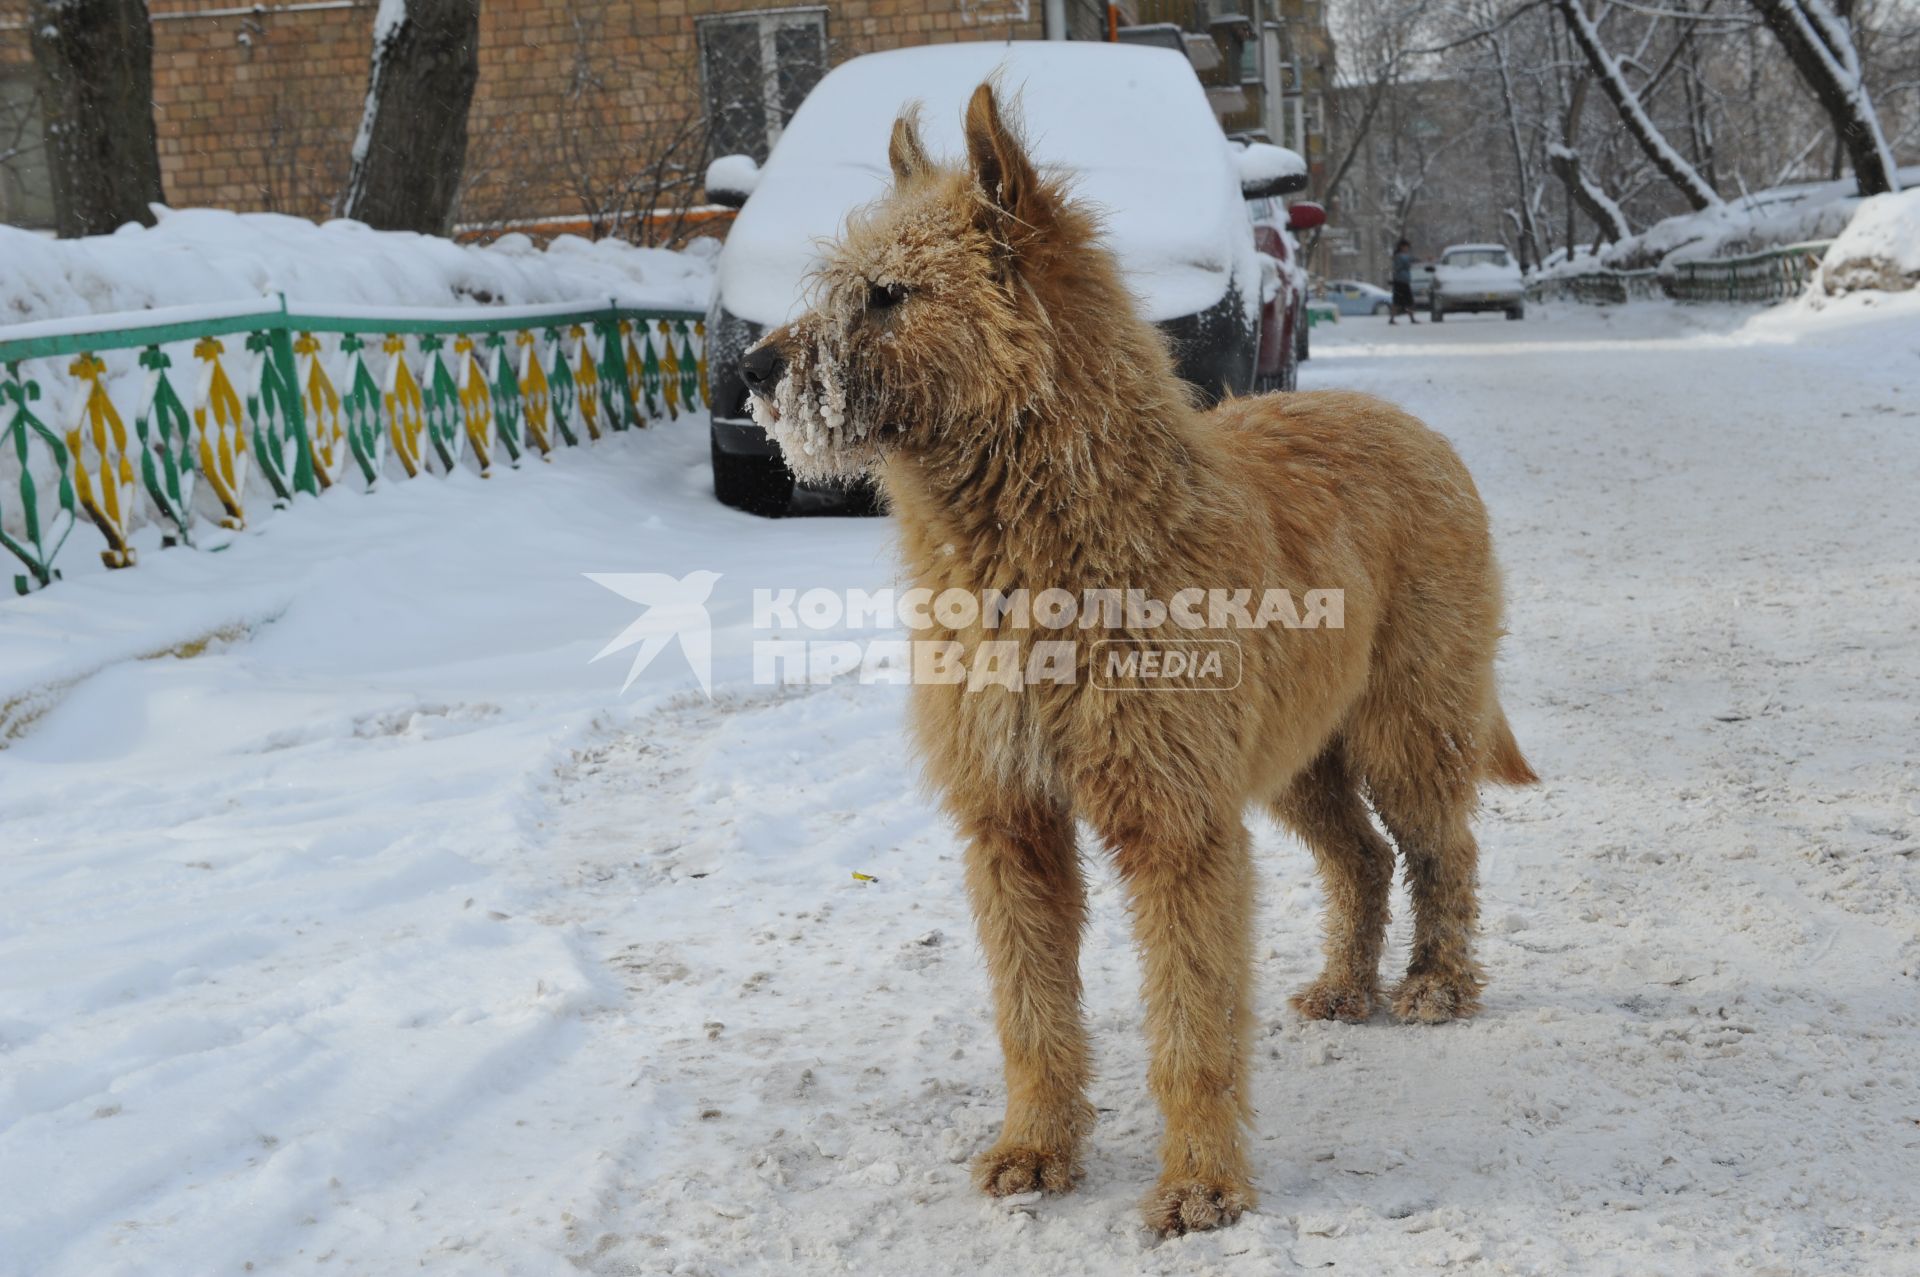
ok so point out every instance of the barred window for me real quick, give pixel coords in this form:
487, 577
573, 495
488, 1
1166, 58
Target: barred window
756, 68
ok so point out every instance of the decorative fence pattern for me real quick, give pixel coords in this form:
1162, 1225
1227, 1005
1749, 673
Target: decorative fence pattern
283, 403
1771, 276
1596, 287
1775, 275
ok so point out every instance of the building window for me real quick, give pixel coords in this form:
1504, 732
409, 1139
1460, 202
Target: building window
755, 70
26, 188
1250, 71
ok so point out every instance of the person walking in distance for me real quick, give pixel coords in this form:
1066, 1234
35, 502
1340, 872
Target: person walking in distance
1402, 282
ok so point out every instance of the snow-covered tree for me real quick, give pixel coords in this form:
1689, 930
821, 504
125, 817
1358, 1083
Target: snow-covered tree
1612, 79
1820, 44
1494, 116
1378, 43
95, 64
1593, 201
412, 144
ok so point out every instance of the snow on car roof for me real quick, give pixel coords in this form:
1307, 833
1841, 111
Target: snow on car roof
1131, 124
1473, 248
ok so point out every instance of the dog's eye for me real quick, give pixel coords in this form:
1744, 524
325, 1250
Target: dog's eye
885, 296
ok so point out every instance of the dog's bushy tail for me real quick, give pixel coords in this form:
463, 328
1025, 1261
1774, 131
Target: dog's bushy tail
1504, 762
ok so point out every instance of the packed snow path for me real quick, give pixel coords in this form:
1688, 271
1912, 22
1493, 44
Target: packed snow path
383, 935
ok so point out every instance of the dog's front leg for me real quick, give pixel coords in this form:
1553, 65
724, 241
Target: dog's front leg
1023, 875
1192, 891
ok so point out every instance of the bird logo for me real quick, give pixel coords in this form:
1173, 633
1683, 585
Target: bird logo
676, 608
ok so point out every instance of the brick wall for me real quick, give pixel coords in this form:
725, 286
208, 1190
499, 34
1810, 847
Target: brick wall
258, 110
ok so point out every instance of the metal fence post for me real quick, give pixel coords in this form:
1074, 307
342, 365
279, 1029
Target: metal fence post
622, 375
280, 353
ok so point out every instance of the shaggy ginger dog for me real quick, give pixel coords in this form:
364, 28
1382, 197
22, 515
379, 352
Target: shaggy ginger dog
974, 348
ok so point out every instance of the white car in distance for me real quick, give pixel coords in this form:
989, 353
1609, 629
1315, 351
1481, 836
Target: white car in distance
1471, 277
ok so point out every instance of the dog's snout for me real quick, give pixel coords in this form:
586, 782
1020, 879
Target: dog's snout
761, 368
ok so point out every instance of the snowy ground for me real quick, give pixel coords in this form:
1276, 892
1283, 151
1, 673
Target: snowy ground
383, 935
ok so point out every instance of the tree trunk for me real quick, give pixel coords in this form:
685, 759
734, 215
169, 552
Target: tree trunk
1613, 82
412, 146
1585, 192
1820, 46
1529, 234
95, 61
1699, 121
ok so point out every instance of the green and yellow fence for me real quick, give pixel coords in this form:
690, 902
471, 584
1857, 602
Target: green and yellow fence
1599, 287
235, 405
1770, 276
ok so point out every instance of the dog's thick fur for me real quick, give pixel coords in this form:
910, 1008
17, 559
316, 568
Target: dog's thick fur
973, 345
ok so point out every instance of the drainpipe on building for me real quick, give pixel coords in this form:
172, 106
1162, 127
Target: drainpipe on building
1054, 19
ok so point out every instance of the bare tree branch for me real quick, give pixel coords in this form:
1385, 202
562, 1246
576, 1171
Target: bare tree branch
1632, 112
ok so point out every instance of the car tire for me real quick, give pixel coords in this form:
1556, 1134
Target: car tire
1516, 312
1380, 308
757, 485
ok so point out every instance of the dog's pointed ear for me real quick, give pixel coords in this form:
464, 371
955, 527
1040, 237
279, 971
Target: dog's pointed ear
1015, 199
905, 152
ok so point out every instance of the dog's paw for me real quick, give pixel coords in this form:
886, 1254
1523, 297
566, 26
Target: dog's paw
1433, 998
1326, 999
1007, 1169
1186, 1205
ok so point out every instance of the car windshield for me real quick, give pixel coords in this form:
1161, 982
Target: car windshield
1477, 257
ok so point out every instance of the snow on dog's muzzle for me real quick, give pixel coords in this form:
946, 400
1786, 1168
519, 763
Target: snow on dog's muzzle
805, 408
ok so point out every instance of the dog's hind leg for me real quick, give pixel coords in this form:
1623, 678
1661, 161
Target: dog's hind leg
1192, 896
1356, 872
1427, 805
1023, 876
1419, 741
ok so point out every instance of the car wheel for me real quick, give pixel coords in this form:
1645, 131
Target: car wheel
1516, 312
1380, 308
757, 485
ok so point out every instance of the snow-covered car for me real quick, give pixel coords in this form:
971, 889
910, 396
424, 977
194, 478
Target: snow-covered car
1131, 127
1472, 277
1283, 315
1356, 297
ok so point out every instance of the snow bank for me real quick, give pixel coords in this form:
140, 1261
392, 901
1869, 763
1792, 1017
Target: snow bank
1880, 249
206, 255
1766, 219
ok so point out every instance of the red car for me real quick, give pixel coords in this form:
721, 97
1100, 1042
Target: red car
1283, 313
